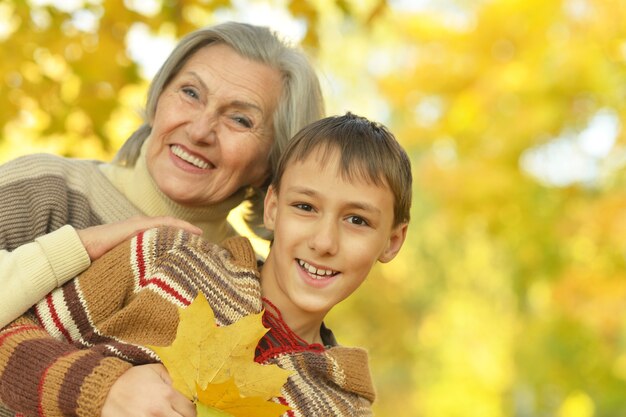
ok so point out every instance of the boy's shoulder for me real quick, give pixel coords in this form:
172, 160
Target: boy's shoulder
242, 251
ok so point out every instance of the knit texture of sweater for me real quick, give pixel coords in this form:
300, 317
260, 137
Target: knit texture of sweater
40, 193
63, 359
44, 198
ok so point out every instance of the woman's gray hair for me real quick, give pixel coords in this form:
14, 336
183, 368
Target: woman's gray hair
301, 101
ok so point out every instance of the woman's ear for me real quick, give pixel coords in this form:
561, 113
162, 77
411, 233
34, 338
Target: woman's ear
269, 208
395, 242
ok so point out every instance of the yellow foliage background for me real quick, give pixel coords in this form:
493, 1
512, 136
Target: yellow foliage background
509, 296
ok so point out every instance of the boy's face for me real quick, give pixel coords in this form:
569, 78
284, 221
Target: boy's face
328, 233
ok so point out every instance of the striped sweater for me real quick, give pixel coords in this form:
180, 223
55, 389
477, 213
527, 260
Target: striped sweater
44, 198
63, 359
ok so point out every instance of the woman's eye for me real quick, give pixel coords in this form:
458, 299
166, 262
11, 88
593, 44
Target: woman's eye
359, 221
190, 92
243, 121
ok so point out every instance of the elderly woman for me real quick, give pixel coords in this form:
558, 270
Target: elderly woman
218, 114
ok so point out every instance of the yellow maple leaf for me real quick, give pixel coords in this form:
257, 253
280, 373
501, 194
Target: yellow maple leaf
204, 357
225, 398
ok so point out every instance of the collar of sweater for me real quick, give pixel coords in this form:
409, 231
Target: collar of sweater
137, 185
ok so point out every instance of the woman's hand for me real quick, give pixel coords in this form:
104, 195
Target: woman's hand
146, 391
98, 240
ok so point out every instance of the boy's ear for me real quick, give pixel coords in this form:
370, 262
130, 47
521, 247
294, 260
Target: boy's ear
396, 240
269, 208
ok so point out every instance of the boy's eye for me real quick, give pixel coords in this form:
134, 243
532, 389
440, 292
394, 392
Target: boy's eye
303, 206
359, 221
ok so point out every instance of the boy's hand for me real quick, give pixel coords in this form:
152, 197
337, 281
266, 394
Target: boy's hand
146, 391
100, 239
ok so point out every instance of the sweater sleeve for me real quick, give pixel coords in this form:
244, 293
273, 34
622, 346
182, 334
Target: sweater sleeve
93, 328
40, 375
34, 269
59, 361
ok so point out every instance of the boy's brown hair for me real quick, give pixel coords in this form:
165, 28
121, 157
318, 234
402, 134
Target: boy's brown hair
368, 150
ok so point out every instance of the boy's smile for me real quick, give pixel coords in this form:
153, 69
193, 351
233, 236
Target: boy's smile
316, 277
329, 230
316, 272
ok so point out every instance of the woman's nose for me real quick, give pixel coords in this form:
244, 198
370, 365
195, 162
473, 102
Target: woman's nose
203, 127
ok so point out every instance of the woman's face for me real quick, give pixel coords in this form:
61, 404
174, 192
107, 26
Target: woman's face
213, 127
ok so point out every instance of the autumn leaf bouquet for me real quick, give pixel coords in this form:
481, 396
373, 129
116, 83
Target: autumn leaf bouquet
214, 366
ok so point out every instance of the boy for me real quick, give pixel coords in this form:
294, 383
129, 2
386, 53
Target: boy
338, 203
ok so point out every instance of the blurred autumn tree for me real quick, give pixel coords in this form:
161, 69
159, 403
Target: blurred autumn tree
509, 295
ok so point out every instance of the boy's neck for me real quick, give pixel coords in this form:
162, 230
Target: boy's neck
307, 332
302, 324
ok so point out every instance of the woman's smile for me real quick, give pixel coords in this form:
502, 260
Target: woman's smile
180, 152
215, 117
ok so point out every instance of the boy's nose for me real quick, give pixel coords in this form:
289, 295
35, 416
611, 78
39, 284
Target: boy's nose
324, 238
